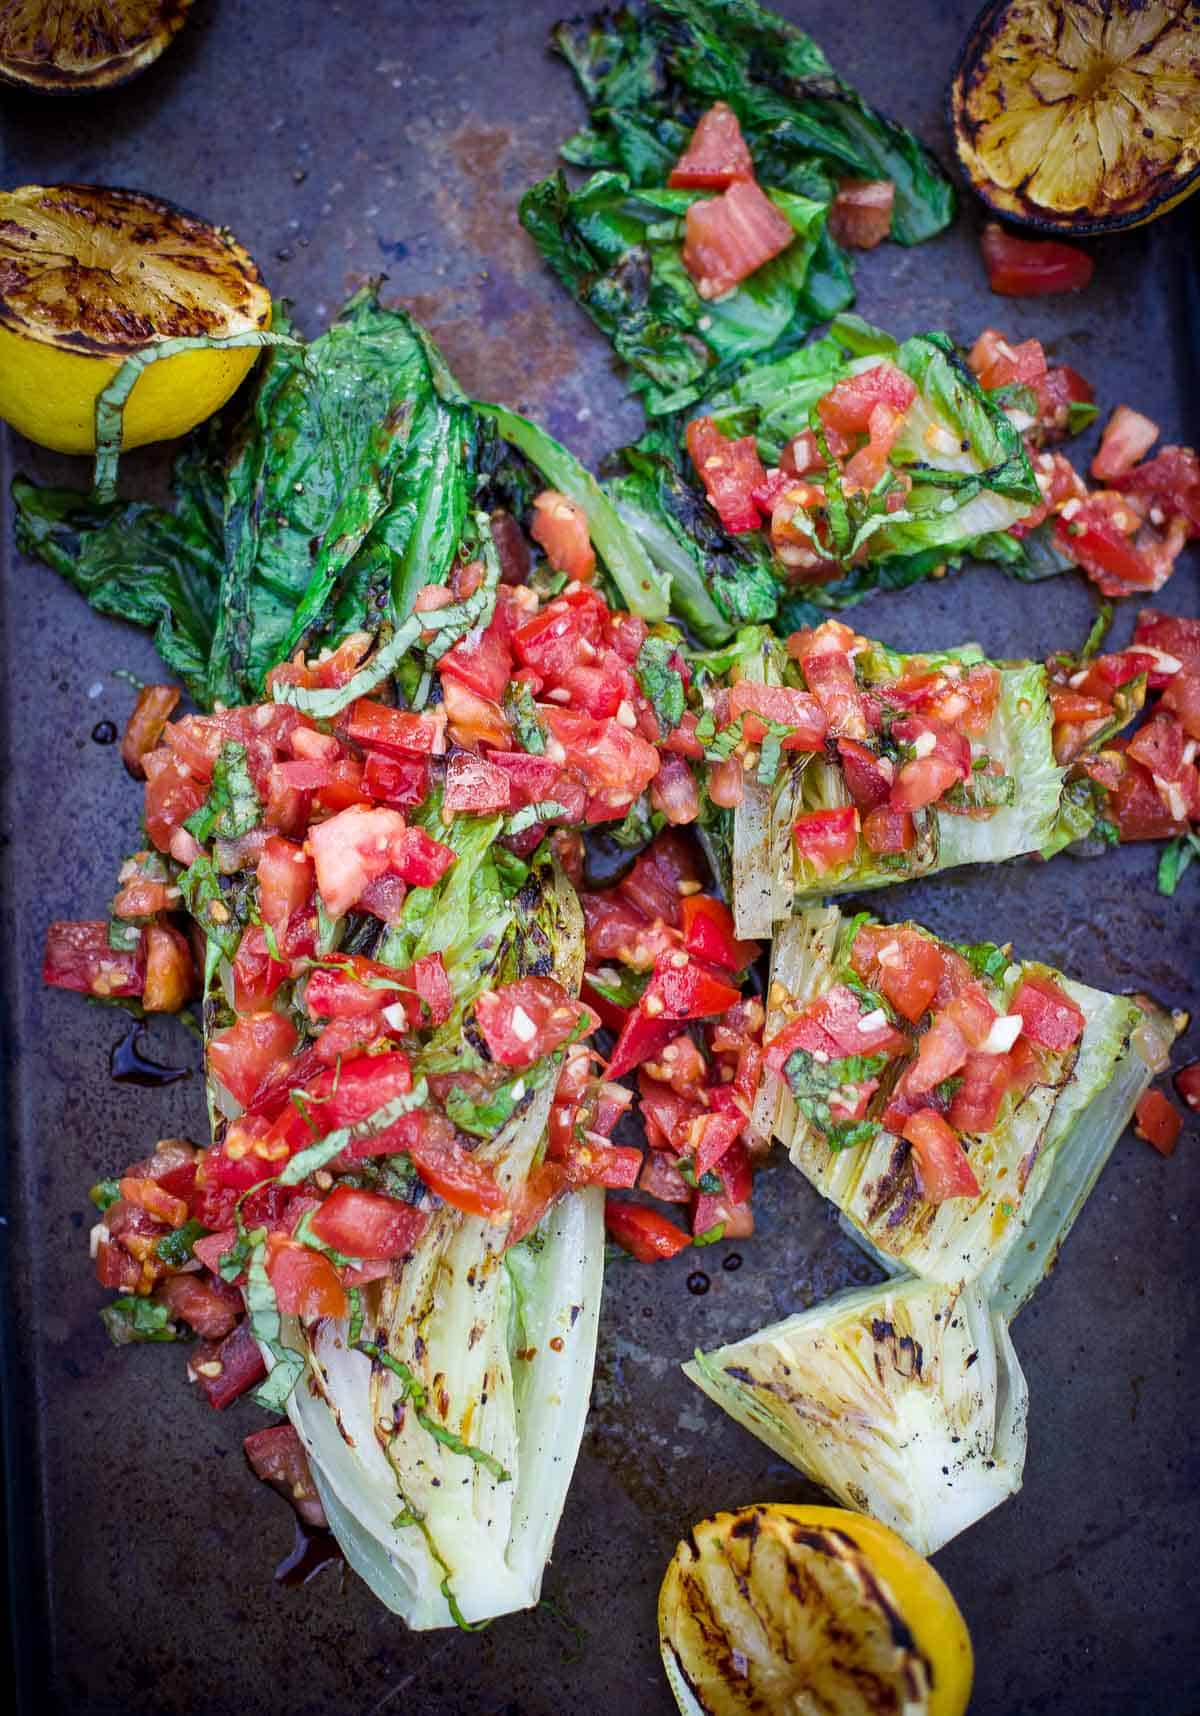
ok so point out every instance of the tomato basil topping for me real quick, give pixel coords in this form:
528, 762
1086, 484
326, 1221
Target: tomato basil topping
926, 1041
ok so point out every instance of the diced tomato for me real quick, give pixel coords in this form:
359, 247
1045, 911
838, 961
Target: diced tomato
276, 1455
797, 710
171, 796
615, 765
153, 709
475, 784
867, 781
833, 1025
562, 634
1135, 804
398, 732
148, 1195
226, 1370
889, 830
660, 1178
861, 214
1096, 536
683, 987
1171, 481
617, 930
1159, 747
366, 1224
1182, 698
593, 1161
975, 1105
708, 933
904, 966
848, 406
359, 845
731, 472
1187, 1083
1174, 636
474, 720
729, 1208
941, 1051
286, 880
674, 792
998, 363
827, 839
449, 1170
350, 987
482, 660
926, 776
560, 527
1031, 268
342, 1038
830, 678
242, 1055
941, 1164
1127, 437
525, 1020
716, 154
1050, 1017
730, 236
306, 1283
209, 1305
1158, 1121
256, 974
401, 782
727, 783
709, 1136
1026, 1066
644, 1233
170, 971
78, 957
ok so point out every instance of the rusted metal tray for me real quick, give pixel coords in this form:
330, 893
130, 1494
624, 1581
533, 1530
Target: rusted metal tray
340, 140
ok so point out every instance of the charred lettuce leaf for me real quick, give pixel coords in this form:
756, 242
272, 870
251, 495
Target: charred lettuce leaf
648, 74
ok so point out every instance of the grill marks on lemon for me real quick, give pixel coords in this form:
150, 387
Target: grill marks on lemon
57, 46
89, 277
775, 1608
1081, 115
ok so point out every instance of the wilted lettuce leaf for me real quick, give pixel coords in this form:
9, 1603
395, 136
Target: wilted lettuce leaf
647, 76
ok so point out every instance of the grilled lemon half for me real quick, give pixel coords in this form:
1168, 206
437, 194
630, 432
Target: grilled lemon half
1080, 116
809, 1609
89, 276
83, 44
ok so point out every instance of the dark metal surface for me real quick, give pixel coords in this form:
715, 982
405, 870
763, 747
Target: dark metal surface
338, 140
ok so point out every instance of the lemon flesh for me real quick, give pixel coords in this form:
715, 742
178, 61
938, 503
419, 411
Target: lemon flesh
83, 44
90, 276
1077, 117
809, 1610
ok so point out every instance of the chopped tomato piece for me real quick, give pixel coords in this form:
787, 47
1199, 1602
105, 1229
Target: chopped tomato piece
476, 785
729, 1209
1050, 1017
1127, 437
560, 527
1187, 1083
1171, 481
847, 407
1158, 1121
171, 796
731, 472
359, 845
226, 1370
306, 1283
148, 1195
940, 1052
708, 1137
615, 765
904, 966
593, 1161
276, 1456
867, 780
861, 215
644, 1233
1096, 536
889, 829
286, 880
256, 973
997, 363
1182, 698
716, 154
799, 711
482, 660
170, 970
1031, 268
242, 1055
986, 1081
446, 1168
942, 1168
674, 792
474, 720
153, 709
683, 987
401, 782
350, 986
1174, 637
830, 678
78, 957
366, 1224
661, 1179
832, 1025
731, 236
827, 839
525, 1020
1136, 805
399, 732
565, 632
708, 933
211, 1307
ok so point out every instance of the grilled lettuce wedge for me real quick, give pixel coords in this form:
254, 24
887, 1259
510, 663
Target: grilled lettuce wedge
769, 879
1035, 1167
904, 1400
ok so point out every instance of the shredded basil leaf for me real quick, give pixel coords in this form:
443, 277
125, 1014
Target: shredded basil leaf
522, 717
104, 1193
415, 1393
175, 1249
132, 1318
232, 807
1175, 860
661, 683
202, 895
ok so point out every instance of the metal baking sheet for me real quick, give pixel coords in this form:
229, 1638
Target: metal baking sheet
339, 140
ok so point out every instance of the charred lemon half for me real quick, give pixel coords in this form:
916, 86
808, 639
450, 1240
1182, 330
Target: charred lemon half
1081, 116
90, 276
83, 44
777, 1607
